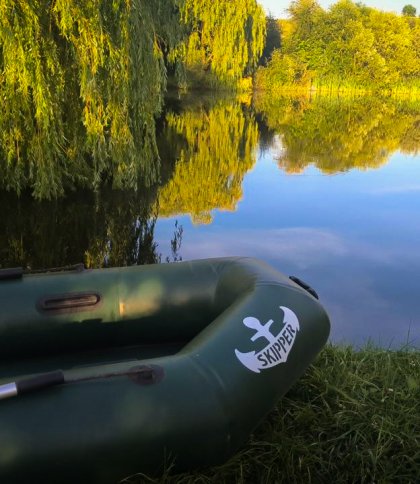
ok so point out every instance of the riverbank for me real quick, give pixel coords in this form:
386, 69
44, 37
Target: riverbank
353, 417
397, 92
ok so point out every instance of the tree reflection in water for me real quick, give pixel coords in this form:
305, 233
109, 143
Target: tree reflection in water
216, 147
206, 147
337, 134
103, 229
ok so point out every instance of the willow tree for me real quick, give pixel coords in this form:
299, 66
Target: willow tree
82, 82
225, 37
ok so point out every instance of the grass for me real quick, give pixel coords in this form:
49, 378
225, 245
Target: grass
354, 417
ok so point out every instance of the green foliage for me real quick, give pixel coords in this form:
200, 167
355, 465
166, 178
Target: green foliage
348, 46
409, 10
224, 36
83, 81
338, 134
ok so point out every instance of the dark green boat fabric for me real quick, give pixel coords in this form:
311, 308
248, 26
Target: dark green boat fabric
225, 338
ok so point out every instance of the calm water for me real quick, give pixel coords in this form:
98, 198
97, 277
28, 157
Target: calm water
325, 189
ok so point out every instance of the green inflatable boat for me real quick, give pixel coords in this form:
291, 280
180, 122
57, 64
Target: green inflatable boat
112, 372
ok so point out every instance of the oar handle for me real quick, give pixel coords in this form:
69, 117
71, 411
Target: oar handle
31, 384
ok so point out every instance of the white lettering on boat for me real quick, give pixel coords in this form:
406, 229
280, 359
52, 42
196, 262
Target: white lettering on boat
278, 347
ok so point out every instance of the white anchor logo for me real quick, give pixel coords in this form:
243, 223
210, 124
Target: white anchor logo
278, 347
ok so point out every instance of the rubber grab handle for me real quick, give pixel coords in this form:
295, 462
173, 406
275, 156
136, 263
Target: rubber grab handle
305, 286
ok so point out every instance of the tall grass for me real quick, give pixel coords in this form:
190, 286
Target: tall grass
354, 417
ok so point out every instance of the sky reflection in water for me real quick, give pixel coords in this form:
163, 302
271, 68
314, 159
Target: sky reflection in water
354, 236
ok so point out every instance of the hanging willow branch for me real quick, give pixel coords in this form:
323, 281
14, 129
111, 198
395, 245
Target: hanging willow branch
227, 37
82, 82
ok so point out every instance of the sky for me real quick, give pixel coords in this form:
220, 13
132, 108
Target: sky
277, 7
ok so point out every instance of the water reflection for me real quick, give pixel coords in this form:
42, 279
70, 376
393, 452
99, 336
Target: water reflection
207, 145
216, 147
353, 237
338, 134
107, 228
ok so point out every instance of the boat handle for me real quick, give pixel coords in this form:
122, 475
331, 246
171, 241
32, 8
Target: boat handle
305, 286
69, 302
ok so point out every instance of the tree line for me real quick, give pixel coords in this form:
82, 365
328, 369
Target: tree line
349, 45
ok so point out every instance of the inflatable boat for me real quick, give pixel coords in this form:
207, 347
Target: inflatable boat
112, 372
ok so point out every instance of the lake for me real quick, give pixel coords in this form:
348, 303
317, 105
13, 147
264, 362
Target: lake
323, 188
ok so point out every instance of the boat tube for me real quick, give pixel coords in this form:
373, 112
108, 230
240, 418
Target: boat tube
111, 372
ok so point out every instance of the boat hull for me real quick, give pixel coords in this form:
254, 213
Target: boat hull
174, 365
